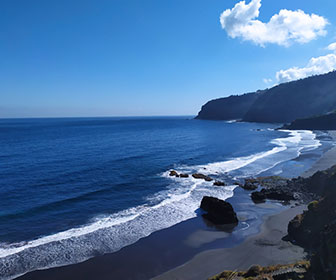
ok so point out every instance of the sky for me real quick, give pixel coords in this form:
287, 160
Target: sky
78, 58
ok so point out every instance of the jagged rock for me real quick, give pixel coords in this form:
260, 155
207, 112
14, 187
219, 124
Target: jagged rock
202, 176
295, 228
258, 197
173, 173
250, 185
279, 194
274, 194
219, 211
219, 184
182, 175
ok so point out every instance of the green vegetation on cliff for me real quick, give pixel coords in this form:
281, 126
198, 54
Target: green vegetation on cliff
229, 108
283, 103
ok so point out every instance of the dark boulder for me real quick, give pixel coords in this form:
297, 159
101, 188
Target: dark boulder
202, 176
219, 211
279, 194
182, 175
250, 185
173, 173
219, 184
258, 197
274, 194
295, 229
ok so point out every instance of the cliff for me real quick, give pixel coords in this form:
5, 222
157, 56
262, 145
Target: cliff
228, 108
315, 229
283, 103
324, 122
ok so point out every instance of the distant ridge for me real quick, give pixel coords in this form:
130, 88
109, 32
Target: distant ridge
283, 103
233, 107
324, 122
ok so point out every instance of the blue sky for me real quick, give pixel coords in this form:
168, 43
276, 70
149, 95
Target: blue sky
149, 57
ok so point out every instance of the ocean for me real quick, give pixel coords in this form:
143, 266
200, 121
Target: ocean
75, 188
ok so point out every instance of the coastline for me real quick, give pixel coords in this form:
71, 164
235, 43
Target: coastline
166, 249
265, 248
210, 251
327, 159
259, 247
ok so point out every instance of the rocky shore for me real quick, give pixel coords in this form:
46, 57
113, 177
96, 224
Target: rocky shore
314, 230
284, 244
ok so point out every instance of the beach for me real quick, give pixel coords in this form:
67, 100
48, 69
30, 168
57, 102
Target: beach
327, 160
265, 248
195, 249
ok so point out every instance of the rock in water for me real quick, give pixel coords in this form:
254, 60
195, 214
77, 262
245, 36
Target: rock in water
219, 211
219, 184
182, 175
201, 176
173, 173
250, 184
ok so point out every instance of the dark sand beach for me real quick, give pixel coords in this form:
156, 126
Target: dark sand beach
169, 248
195, 249
327, 160
265, 248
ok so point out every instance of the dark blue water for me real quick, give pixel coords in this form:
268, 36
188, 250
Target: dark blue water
96, 185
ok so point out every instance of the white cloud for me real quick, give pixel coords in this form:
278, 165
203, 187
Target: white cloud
283, 28
318, 65
267, 81
332, 47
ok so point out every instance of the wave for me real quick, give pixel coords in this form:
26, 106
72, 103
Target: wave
164, 209
110, 233
293, 145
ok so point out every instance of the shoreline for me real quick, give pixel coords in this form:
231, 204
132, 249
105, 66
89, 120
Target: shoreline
166, 249
274, 228
265, 248
176, 260
327, 160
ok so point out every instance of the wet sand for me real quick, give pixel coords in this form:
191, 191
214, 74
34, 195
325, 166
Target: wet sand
265, 248
169, 248
327, 160
195, 249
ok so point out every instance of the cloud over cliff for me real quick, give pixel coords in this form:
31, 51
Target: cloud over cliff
284, 28
315, 66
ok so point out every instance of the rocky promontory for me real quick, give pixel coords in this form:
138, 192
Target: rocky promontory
322, 122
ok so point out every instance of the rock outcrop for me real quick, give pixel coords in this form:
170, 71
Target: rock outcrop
250, 184
202, 176
315, 229
219, 212
274, 194
219, 184
173, 173
324, 122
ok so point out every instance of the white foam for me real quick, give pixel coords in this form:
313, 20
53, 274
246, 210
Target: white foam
176, 204
287, 148
110, 233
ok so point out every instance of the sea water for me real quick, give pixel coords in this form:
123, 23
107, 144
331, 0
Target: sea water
75, 188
